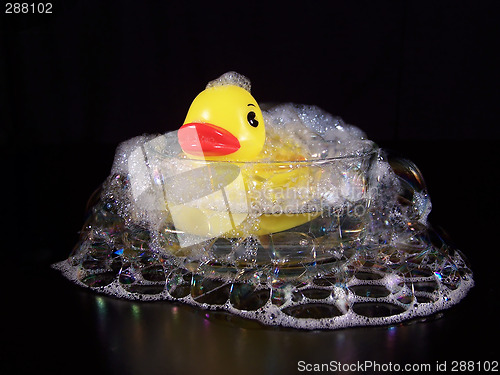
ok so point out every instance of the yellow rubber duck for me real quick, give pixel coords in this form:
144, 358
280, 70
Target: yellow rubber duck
225, 124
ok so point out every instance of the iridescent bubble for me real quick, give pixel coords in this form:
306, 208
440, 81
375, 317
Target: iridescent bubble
248, 297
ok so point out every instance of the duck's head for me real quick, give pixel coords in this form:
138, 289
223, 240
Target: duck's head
224, 122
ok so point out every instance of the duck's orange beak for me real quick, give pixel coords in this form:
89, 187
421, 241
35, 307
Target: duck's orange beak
204, 139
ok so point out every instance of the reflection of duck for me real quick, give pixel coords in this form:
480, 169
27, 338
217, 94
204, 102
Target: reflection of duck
225, 123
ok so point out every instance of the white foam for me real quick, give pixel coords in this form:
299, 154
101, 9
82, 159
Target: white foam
273, 315
231, 78
152, 184
312, 133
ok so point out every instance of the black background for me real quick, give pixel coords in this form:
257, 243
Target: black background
420, 78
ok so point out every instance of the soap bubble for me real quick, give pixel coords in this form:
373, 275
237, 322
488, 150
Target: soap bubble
324, 230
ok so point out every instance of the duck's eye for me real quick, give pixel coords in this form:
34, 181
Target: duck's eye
251, 119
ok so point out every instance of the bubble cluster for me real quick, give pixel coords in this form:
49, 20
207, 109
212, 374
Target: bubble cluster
336, 238
318, 134
231, 78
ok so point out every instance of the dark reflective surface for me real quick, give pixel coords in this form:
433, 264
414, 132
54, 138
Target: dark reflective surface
53, 325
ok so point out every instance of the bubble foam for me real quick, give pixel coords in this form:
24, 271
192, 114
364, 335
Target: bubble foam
231, 78
359, 252
317, 304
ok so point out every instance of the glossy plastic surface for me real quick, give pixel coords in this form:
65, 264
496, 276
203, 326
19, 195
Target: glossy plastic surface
232, 109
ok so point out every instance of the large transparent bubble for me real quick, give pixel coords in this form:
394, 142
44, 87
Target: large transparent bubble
339, 238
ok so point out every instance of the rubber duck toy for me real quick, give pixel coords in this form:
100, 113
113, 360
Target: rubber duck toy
224, 130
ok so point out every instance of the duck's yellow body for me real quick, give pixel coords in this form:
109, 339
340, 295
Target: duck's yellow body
257, 199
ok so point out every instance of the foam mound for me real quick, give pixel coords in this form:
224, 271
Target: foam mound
362, 252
